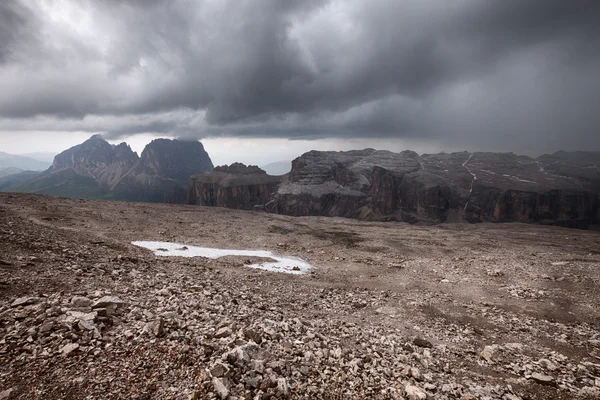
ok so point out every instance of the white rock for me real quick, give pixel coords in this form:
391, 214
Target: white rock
220, 388
24, 301
414, 392
6, 394
283, 388
68, 349
223, 332
107, 301
488, 352
80, 302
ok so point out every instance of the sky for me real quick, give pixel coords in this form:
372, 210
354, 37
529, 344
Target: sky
266, 80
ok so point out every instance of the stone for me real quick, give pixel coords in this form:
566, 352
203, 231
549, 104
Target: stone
24, 301
219, 370
223, 332
86, 325
283, 389
254, 335
46, 326
415, 373
82, 315
239, 356
337, 353
81, 302
5, 394
414, 392
422, 342
253, 380
155, 328
542, 379
220, 388
488, 352
107, 301
69, 349
547, 364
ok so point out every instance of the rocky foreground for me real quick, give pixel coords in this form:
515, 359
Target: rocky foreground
391, 311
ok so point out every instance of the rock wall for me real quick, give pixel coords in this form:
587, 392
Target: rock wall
561, 189
236, 186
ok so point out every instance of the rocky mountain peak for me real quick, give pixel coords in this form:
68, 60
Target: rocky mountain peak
123, 152
175, 159
89, 154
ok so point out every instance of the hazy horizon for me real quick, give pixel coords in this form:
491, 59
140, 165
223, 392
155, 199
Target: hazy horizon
265, 151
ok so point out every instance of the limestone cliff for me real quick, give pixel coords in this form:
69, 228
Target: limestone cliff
235, 186
561, 188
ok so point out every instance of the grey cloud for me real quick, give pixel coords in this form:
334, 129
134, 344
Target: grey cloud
465, 71
16, 24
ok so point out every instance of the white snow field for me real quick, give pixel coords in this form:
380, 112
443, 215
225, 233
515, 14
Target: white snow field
288, 265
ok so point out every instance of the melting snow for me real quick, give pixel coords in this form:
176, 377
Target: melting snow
474, 179
288, 265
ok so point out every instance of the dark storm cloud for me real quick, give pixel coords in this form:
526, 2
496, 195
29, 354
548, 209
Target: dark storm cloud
15, 25
469, 71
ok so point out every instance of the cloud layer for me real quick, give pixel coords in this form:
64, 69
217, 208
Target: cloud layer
478, 73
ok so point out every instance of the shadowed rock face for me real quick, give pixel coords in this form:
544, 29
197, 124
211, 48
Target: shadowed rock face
561, 188
174, 159
236, 186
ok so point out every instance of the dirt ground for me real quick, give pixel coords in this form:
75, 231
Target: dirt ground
391, 310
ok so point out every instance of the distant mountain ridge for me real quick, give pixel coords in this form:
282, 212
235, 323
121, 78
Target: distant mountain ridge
95, 169
22, 162
278, 168
7, 171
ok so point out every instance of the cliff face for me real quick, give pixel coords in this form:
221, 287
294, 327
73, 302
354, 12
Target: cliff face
561, 188
174, 159
236, 186
96, 158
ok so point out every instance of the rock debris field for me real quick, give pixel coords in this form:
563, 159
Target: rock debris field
388, 311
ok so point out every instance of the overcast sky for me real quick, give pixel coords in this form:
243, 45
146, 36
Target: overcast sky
267, 80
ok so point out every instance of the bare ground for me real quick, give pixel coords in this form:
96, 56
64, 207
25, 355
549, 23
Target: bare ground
504, 311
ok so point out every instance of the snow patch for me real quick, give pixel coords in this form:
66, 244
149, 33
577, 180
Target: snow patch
288, 265
474, 179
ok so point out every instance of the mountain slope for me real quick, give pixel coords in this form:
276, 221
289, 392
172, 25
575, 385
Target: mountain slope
7, 171
16, 179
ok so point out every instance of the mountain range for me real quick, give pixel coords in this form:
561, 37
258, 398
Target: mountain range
96, 169
23, 162
560, 189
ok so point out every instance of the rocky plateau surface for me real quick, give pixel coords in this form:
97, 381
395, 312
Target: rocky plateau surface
558, 189
390, 311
